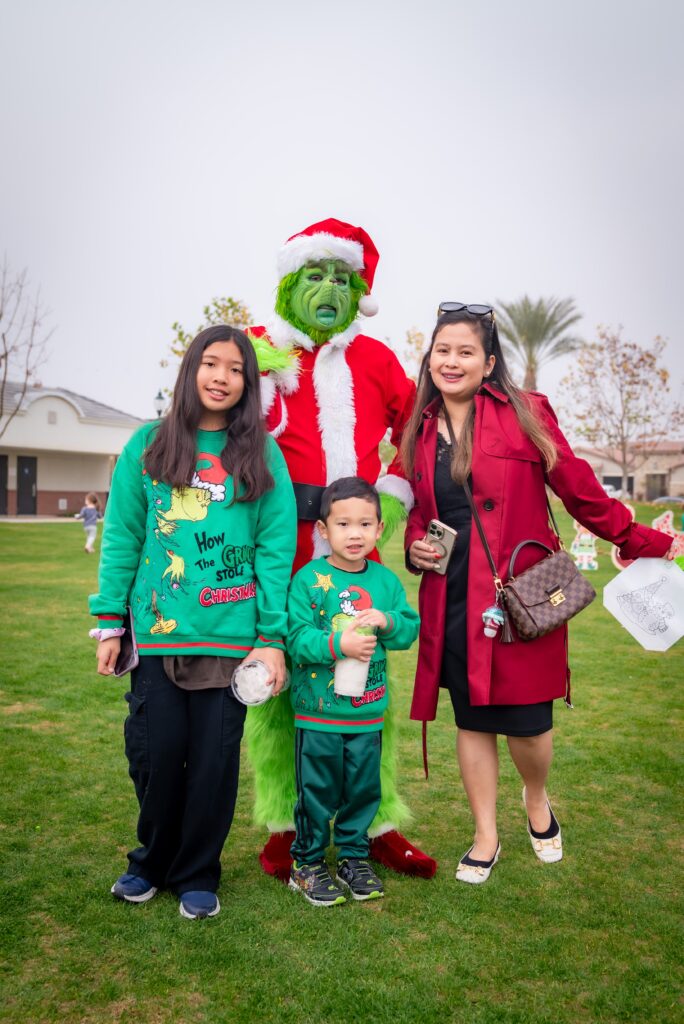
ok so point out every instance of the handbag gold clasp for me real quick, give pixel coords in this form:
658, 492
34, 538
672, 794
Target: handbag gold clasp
556, 597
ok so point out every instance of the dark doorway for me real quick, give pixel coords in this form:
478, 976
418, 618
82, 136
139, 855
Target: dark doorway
27, 473
3, 484
656, 485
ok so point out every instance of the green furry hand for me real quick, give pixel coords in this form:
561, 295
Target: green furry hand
270, 358
393, 515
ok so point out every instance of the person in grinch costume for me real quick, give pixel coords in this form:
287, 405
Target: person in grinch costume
329, 394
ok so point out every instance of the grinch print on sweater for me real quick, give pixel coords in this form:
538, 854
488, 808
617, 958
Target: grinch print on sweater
323, 603
337, 613
170, 564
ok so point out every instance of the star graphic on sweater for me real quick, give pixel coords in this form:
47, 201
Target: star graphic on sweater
323, 583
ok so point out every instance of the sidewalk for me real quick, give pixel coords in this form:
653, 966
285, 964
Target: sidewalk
38, 519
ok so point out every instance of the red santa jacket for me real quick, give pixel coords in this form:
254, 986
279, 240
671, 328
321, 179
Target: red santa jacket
331, 413
508, 482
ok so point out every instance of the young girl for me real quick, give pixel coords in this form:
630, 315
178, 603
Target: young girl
199, 540
90, 513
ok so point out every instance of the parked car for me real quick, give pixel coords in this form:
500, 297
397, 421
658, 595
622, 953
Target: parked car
667, 499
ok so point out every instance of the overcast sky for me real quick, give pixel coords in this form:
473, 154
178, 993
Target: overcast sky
156, 154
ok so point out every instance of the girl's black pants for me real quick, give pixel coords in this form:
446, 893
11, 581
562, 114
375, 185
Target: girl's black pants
183, 750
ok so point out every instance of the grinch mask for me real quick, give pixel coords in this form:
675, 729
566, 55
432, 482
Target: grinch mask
321, 299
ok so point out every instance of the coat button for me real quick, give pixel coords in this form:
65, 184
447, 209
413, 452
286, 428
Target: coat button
419, 477
488, 505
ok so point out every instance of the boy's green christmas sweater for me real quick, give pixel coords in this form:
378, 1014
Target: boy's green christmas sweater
322, 603
202, 576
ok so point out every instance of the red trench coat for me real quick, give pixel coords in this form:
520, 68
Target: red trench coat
508, 484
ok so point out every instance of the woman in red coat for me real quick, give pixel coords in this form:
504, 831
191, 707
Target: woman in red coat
509, 446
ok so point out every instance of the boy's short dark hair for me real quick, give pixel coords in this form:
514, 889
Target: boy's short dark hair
349, 487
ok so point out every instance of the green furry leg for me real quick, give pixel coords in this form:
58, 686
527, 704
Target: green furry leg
393, 515
393, 812
270, 744
269, 732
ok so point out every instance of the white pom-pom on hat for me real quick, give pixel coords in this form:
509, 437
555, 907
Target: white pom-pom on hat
368, 305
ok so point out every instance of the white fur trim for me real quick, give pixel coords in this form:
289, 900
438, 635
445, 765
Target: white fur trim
268, 391
287, 381
284, 335
334, 389
280, 826
368, 305
303, 249
344, 338
398, 488
277, 431
381, 830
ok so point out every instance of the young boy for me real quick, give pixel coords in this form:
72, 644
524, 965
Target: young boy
334, 604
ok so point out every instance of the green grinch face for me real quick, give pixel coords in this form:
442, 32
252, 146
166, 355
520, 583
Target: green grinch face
322, 296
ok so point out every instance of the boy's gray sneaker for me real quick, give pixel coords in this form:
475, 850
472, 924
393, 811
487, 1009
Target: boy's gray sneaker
359, 878
315, 883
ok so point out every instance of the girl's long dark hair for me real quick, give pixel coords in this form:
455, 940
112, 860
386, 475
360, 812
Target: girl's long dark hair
461, 460
172, 455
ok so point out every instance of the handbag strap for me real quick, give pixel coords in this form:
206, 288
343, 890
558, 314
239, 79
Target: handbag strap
497, 579
466, 487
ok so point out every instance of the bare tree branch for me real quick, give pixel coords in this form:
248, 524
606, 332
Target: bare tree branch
618, 399
23, 339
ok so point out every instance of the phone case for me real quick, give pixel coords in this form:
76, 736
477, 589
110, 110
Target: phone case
128, 655
443, 538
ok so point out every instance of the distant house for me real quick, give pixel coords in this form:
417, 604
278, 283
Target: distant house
660, 473
58, 446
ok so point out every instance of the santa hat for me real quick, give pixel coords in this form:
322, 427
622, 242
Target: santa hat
211, 478
333, 239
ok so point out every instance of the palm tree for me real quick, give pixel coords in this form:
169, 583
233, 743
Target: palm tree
536, 333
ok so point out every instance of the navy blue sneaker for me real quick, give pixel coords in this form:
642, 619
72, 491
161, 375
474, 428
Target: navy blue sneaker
198, 904
133, 889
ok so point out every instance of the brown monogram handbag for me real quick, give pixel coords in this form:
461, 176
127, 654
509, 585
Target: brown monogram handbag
547, 594
543, 597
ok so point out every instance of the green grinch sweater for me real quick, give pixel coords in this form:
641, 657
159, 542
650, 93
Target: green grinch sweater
201, 575
322, 603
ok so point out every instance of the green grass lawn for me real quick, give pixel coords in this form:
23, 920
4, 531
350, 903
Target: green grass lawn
595, 938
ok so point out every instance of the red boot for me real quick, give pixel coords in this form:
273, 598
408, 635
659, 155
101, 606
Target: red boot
275, 857
396, 853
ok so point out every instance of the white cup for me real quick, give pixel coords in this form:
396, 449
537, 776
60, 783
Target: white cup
249, 684
350, 677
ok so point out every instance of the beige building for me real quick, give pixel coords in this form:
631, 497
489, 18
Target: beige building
58, 446
660, 473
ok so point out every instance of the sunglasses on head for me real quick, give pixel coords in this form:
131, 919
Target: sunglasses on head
461, 307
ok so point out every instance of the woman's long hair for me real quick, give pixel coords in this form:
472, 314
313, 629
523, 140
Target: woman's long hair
172, 455
500, 378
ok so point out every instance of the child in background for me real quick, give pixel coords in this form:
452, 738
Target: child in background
338, 738
199, 540
90, 513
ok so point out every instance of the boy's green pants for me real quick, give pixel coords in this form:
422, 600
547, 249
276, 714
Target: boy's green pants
337, 776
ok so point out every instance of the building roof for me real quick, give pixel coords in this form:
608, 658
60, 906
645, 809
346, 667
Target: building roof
661, 448
88, 408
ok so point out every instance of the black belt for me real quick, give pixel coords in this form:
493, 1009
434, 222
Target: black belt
308, 498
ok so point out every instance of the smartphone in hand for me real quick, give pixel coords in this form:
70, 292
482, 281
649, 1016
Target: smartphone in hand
442, 538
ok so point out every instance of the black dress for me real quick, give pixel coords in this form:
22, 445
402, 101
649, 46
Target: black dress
506, 719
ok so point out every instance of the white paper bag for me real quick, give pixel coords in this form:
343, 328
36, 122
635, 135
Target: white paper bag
648, 600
